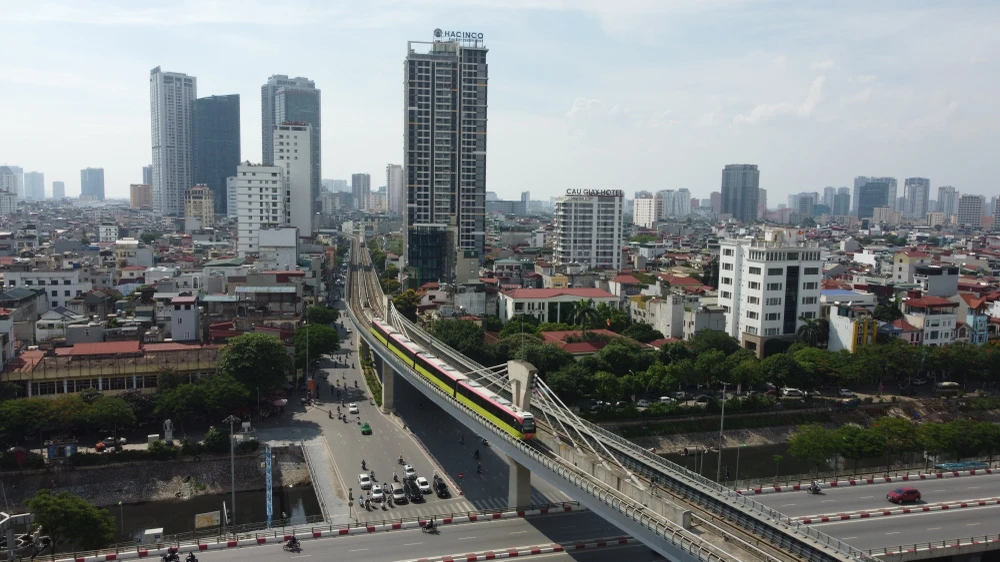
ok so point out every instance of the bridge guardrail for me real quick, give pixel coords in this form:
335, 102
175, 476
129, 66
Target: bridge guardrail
716, 503
621, 503
260, 531
312, 476
949, 543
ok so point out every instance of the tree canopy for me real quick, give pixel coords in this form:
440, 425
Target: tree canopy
322, 315
406, 303
321, 340
257, 360
68, 518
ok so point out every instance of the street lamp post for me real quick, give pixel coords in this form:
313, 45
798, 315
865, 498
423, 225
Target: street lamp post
722, 425
232, 463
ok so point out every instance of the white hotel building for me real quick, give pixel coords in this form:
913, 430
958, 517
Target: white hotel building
767, 285
589, 228
260, 203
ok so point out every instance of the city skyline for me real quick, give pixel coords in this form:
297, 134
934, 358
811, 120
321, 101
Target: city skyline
919, 109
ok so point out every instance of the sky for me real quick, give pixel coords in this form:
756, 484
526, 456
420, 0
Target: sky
623, 94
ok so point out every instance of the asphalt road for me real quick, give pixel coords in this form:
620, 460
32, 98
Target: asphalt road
872, 496
457, 539
915, 528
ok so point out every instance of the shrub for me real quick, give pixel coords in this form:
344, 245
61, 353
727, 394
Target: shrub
158, 450
216, 440
248, 446
34, 460
191, 448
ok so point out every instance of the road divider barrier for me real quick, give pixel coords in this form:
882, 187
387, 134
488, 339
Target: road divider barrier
865, 514
864, 481
529, 550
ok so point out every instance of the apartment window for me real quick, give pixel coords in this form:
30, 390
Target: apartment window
809, 286
753, 300
793, 255
812, 271
808, 315
753, 285
934, 335
66, 293
727, 295
727, 309
727, 280
727, 266
772, 316
774, 301
752, 330
755, 271
774, 286
55, 293
727, 252
809, 300
753, 315
775, 271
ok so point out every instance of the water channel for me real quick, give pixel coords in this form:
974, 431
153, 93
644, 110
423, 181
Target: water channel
177, 516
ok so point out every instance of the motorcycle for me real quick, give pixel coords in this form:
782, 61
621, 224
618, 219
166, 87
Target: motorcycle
291, 547
476, 455
171, 557
331, 414
191, 557
813, 490
432, 529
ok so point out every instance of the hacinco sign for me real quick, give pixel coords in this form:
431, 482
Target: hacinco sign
596, 192
445, 35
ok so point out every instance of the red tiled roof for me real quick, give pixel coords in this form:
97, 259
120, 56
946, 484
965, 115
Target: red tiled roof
6, 311
661, 342
626, 279
184, 300
931, 301
582, 292
678, 279
101, 348
175, 346
134, 268
915, 254
905, 326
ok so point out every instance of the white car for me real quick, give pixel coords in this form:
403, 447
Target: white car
352, 408
666, 400
364, 481
408, 472
424, 485
792, 392
377, 495
643, 403
846, 393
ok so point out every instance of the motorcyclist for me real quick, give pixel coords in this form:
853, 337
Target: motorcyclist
191, 557
479, 467
400, 459
394, 477
363, 467
292, 542
814, 486
476, 454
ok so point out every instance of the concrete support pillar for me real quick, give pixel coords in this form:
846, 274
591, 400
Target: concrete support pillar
519, 485
521, 374
388, 382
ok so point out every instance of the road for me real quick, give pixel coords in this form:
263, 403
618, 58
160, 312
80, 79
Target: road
457, 539
872, 496
915, 528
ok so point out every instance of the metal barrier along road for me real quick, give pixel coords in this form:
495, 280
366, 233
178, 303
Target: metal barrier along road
936, 545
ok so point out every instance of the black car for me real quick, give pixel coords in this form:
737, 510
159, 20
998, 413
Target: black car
413, 492
440, 488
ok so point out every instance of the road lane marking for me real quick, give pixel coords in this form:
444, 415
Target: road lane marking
867, 497
827, 501
466, 538
357, 550
787, 505
412, 543
893, 533
517, 532
303, 556
974, 487
971, 524
934, 529
848, 538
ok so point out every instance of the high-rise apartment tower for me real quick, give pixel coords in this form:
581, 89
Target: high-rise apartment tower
171, 104
740, 183
292, 100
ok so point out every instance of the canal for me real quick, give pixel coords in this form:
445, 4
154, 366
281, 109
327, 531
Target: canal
177, 516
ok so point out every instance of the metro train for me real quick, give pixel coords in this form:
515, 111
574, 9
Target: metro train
500, 411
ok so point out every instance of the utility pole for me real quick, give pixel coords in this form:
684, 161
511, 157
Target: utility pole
232, 463
722, 425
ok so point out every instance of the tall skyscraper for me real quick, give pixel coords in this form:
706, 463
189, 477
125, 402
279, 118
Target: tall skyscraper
171, 103
8, 191
147, 175
395, 186
716, 201
740, 183
761, 203
917, 192
862, 180
947, 200
841, 204
970, 210
34, 186
58, 190
92, 184
216, 144
444, 151
292, 100
18, 173
870, 196
828, 194
293, 153
361, 188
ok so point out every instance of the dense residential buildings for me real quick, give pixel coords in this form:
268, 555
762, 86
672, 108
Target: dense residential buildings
769, 285
361, 189
292, 100
171, 100
740, 185
216, 144
396, 188
590, 230
550, 305
851, 327
934, 316
260, 204
58, 190
140, 195
293, 152
199, 203
444, 150
92, 184
970, 210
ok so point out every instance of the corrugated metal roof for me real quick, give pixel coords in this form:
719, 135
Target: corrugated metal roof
274, 289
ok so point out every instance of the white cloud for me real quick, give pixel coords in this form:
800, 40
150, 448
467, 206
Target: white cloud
767, 111
780, 60
710, 119
858, 97
862, 79
823, 65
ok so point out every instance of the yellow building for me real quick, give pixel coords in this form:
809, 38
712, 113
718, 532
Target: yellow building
140, 195
199, 203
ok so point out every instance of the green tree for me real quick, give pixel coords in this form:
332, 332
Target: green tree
814, 331
258, 360
322, 315
464, 336
90, 395
780, 369
643, 238
178, 404
933, 438
624, 356
110, 412
812, 443
584, 314
888, 311
24, 416
570, 383
65, 413
220, 394
140, 402
710, 367
216, 440
612, 317
70, 519
676, 351
406, 303
642, 332
607, 385
898, 436
84, 241
321, 340
707, 340
10, 391
856, 443
150, 237
545, 357
519, 324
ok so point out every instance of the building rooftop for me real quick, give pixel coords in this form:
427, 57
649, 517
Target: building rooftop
930, 302
268, 289
582, 292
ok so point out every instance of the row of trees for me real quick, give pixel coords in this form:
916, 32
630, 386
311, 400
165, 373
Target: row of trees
892, 437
